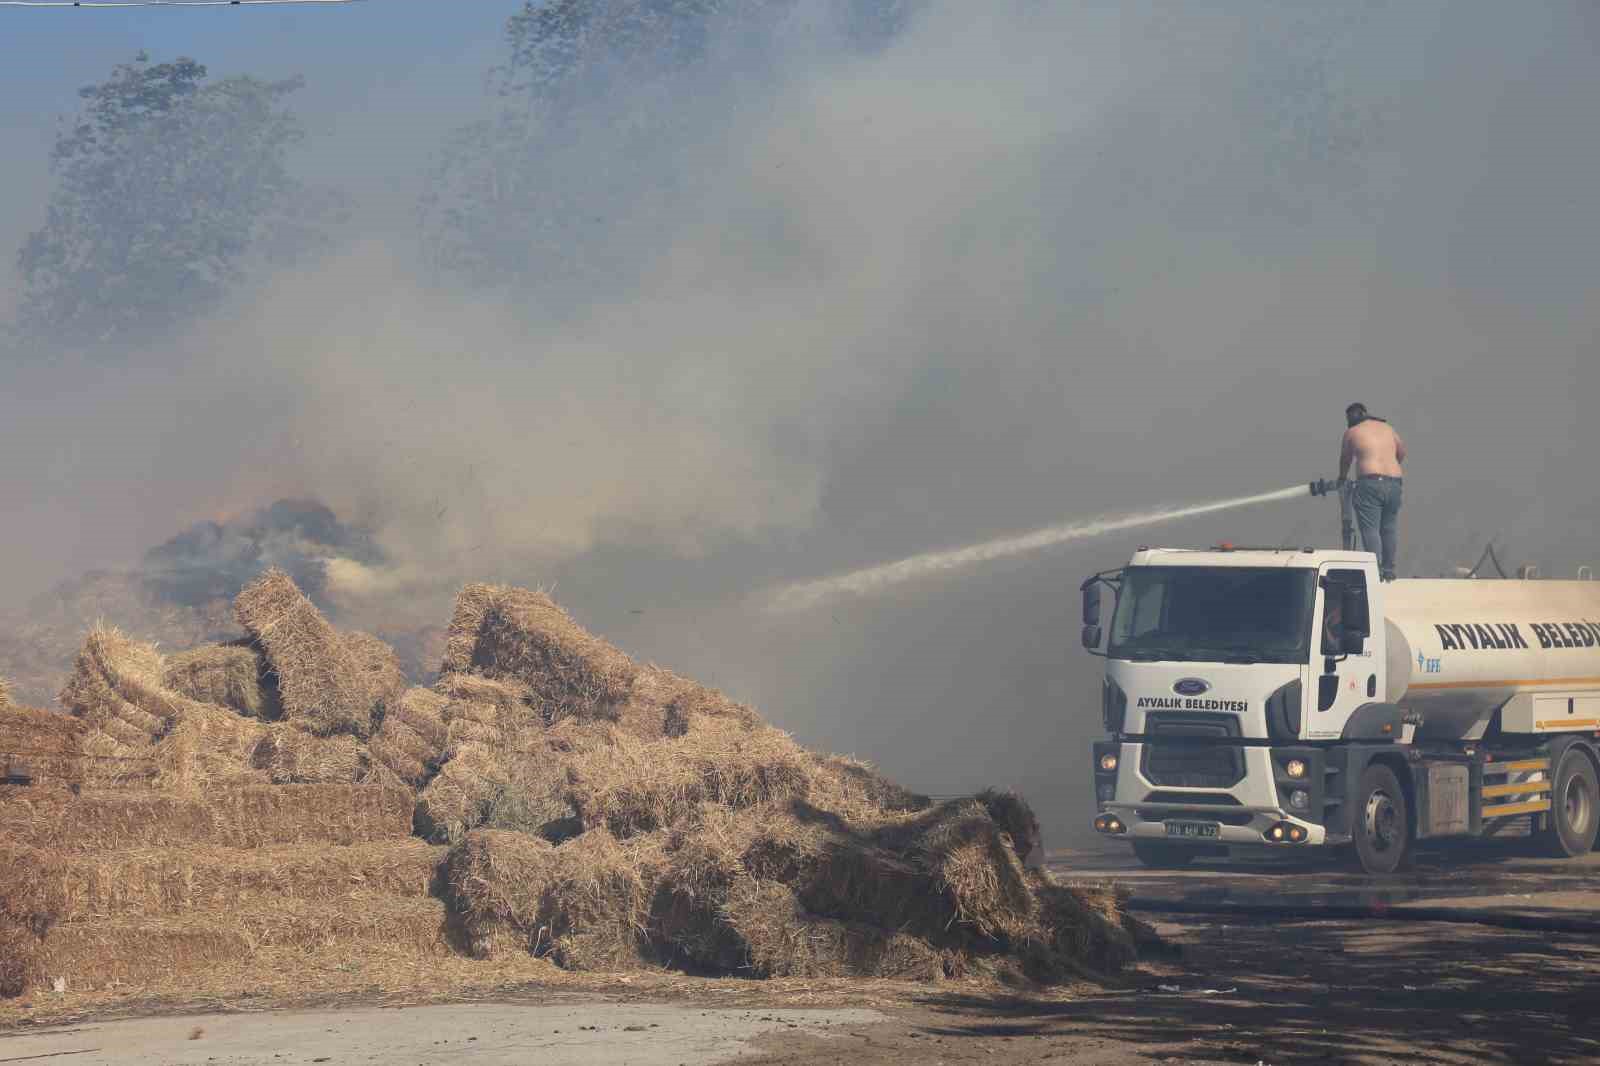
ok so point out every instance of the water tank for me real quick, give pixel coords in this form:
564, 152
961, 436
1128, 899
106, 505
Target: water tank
1459, 650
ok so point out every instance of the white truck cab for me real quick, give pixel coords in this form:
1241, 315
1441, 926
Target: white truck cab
1265, 697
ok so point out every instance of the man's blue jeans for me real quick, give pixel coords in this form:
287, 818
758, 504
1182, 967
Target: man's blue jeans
1377, 503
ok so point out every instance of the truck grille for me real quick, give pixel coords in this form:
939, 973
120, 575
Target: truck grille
1191, 751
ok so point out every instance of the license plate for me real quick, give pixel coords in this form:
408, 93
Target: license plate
1191, 829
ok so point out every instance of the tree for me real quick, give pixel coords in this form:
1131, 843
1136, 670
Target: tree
167, 187
595, 134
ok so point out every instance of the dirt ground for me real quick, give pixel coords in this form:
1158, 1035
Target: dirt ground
1244, 990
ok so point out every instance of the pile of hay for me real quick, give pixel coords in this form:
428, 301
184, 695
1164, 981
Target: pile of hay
654, 821
575, 805
322, 682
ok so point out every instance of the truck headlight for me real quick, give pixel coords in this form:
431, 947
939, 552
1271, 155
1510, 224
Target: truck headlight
1295, 768
1108, 761
1300, 799
1107, 792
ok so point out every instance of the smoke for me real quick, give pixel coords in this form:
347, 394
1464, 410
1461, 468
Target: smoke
876, 580
1022, 260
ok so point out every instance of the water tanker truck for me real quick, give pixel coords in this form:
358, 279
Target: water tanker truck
1287, 699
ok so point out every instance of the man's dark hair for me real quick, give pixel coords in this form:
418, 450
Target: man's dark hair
1355, 413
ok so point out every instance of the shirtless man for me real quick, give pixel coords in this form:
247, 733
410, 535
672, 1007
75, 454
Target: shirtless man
1376, 451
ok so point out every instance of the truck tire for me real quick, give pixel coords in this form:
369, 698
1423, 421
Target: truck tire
1574, 808
1381, 822
1161, 856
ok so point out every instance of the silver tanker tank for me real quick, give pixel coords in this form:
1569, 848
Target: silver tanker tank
1458, 651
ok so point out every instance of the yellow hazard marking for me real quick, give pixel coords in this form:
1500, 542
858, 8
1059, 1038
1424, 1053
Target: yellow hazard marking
1568, 723
1506, 809
1518, 765
1516, 789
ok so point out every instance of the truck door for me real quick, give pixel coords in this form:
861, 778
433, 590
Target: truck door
1341, 680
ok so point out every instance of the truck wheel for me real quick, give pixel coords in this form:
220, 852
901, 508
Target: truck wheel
1574, 804
1382, 824
1161, 856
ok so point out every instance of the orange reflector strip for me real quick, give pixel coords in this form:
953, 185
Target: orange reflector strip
1505, 810
1516, 790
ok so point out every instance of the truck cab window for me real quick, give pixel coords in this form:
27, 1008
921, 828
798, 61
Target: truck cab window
1335, 585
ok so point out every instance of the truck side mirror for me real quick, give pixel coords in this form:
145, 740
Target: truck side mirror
1091, 603
1091, 637
1353, 643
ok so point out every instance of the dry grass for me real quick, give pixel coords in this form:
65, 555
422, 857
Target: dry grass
778, 938
20, 959
234, 675
320, 682
5, 693
235, 816
524, 636
152, 882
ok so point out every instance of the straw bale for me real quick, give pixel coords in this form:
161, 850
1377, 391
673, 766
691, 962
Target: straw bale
637, 786
393, 751
208, 744
482, 710
320, 682
42, 745
534, 800
585, 903
96, 955
234, 675
151, 882
228, 815
289, 755
116, 686
460, 795
525, 636
107, 762
378, 666
422, 710
473, 603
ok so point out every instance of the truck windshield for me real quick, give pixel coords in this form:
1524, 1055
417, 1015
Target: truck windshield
1214, 614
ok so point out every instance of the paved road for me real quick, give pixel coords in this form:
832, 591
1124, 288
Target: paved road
1507, 876
597, 1034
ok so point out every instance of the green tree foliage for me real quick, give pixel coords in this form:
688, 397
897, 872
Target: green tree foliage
168, 186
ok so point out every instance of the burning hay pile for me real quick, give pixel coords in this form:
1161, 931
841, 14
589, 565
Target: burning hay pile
613, 814
574, 806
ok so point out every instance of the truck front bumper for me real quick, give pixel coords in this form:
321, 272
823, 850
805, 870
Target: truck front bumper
1243, 813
